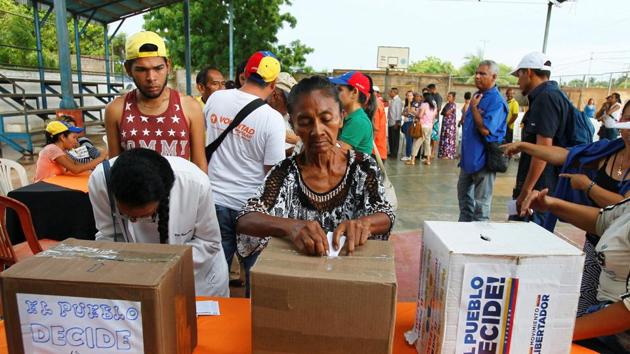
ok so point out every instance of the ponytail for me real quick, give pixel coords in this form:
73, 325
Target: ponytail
369, 103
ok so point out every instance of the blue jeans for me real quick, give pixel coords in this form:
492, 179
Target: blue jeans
227, 224
408, 138
474, 193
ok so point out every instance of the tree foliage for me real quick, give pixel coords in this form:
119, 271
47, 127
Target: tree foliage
432, 65
255, 28
18, 43
465, 73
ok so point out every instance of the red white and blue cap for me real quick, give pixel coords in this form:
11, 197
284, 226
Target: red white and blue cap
262, 66
354, 79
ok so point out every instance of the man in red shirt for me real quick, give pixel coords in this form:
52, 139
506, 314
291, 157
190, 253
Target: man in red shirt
154, 116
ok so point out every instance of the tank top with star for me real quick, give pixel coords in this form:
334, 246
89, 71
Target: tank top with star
167, 133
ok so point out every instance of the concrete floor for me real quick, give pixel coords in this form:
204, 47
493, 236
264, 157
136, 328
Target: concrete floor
424, 193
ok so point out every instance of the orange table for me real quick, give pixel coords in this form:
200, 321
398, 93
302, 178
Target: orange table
78, 182
60, 208
230, 333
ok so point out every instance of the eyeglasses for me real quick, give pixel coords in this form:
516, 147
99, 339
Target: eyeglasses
143, 219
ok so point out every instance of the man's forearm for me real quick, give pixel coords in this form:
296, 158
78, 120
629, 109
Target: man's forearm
479, 122
536, 168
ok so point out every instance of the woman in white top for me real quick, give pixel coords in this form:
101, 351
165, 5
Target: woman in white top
162, 200
612, 109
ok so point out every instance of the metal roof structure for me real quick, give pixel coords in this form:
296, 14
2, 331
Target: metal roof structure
108, 11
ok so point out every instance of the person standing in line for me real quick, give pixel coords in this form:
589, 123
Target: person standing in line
448, 137
467, 96
209, 80
409, 112
544, 123
612, 109
154, 116
278, 101
589, 109
355, 93
425, 117
240, 163
484, 123
375, 110
394, 116
513, 109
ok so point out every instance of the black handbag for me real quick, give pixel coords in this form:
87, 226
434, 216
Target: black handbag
496, 161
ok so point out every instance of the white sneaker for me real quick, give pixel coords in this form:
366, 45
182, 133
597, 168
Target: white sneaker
405, 158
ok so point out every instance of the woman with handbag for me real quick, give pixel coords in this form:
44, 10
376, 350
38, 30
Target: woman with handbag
409, 112
423, 126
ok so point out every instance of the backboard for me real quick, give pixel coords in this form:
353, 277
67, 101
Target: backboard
392, 57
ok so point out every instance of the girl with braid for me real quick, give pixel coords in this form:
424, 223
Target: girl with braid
161, 200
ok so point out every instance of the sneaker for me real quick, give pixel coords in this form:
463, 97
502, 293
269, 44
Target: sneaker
405, 158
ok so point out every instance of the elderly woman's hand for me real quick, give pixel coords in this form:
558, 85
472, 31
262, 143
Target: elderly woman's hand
356, 231
309, 237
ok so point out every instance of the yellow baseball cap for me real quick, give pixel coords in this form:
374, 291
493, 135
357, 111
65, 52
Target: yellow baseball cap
56, 127
262, 66
137, 40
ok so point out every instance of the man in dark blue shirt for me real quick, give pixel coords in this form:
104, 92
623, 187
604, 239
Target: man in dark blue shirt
544, 123
484, 122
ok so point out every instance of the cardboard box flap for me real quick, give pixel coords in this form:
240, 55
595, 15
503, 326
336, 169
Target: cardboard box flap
372, 262
481, 238
137, 265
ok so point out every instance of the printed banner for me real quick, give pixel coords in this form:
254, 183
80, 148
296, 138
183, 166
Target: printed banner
487, 309
65, 324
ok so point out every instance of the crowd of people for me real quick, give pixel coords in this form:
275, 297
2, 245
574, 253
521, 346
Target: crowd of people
273, 157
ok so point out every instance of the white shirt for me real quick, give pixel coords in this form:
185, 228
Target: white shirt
616, 114
613, 251
192, 221
236, 169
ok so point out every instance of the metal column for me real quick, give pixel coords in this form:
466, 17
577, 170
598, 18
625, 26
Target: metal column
40, 55
231, 39
65, 69
549, 6
187, 50
107, 65
77, 47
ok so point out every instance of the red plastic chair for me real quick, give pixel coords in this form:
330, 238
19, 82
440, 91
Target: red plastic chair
10, 254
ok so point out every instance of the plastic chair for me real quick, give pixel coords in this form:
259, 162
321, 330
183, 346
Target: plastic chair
10, 254
6, 180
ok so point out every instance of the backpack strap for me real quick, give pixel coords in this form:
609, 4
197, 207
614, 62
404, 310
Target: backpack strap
240, 116
108, 174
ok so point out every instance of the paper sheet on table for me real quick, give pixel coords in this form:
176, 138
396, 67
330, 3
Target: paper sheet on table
511, 207
332, 252
208, 308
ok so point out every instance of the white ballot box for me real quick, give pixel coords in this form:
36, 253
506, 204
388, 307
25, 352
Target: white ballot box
496, 288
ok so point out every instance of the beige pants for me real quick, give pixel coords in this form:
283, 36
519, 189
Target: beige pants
426, 140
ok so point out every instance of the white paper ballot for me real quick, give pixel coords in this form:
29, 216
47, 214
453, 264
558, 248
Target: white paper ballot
609, 122
208, 308
511, 206
332, 252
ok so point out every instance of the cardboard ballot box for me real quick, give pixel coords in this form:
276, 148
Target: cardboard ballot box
304, 304
101, 297
496, 288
